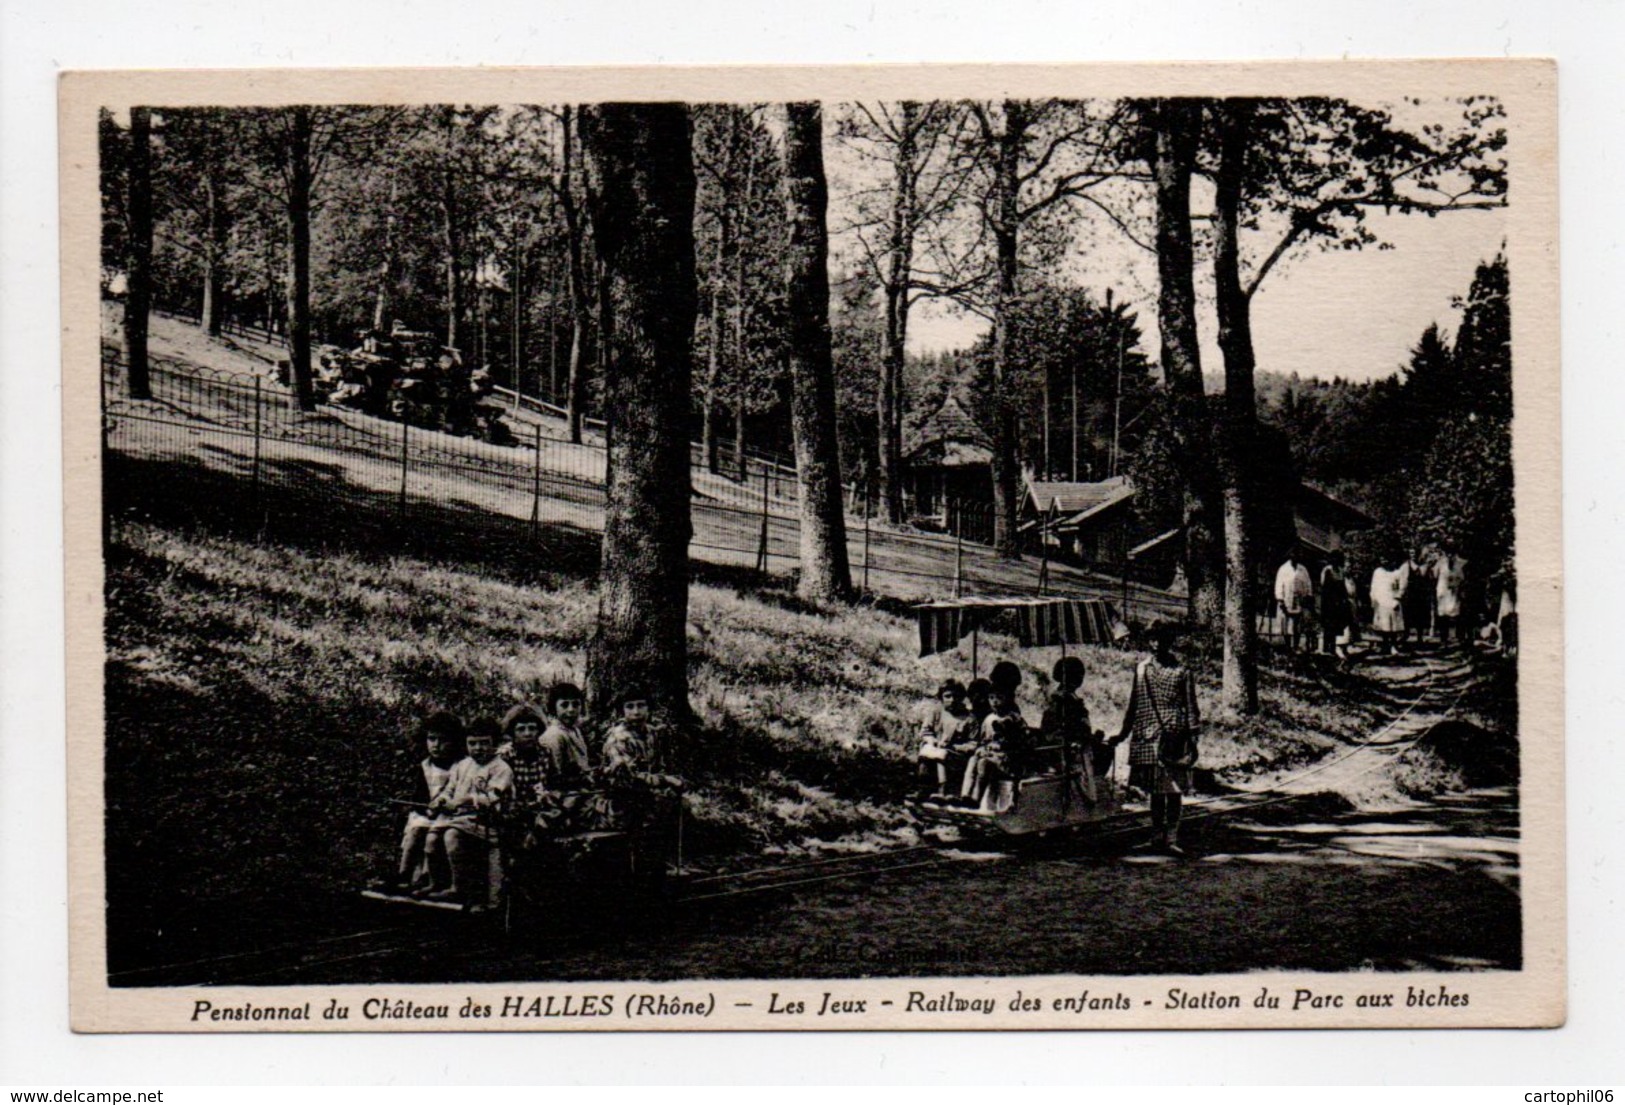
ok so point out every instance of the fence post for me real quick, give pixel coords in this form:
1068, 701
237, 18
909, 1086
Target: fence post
959, 548
255, 478
536, 486
400, 505
761, 546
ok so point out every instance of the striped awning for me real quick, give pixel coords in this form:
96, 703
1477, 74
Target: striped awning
1040, 622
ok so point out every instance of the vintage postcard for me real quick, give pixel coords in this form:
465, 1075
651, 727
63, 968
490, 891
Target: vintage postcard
821, 549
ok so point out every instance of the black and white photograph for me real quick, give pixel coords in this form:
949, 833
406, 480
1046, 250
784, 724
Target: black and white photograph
906, 548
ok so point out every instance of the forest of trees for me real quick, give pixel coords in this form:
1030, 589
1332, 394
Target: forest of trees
768, 305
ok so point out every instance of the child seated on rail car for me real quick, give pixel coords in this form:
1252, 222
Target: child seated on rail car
564, 744
477, 794
629, 743
633, 762
947, 738
441, 737
1003, 747
1066, 723
522, 751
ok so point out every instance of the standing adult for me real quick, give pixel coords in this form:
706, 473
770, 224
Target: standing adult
1387, 602
1336, 614
1294, 592
1450, 585
1418, 596
1160, 725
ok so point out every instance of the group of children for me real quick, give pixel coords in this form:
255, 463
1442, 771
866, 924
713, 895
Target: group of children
974, 740
975, 737
485, 785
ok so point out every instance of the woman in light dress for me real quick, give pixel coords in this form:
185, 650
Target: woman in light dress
1451, 576
1388, 602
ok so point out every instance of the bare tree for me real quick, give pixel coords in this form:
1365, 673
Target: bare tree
642, 211
1037, 157
579, 291
825, 574
897, 227
298, 145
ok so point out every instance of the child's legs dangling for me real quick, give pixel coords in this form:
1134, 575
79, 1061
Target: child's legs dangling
461, 858
436, 858
412, 846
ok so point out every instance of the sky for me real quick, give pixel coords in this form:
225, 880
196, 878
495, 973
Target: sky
1354, 314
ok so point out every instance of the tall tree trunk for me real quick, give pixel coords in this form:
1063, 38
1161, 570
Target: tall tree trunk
642, 210
217, 220
1178, 127
825, 574
516, 330
268, 259
138, 278
578, 291
715, 334
741, 315
452, 239
1006, 235
386, 268
713, 363
299, 188
1237, 442
899, 279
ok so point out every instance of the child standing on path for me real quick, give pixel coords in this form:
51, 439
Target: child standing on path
1160, 724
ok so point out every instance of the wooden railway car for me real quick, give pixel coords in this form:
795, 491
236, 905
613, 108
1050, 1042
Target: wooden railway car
1055, 788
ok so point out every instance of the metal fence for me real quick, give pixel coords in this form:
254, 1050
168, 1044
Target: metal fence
215, 446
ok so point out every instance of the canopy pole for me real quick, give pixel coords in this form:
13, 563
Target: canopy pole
975, 652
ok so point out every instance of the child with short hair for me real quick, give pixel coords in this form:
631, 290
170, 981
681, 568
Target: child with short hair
1004, 737
476, 795
441, 736
1066, 722
945, 741
632, 765
564, 745
522, 725
629, 745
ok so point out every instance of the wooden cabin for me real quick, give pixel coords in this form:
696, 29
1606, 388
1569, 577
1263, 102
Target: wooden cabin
948, 461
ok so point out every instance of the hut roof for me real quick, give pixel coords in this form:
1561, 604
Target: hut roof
950, 425
1077, 502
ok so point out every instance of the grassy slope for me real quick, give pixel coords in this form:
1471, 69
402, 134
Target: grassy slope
258, 698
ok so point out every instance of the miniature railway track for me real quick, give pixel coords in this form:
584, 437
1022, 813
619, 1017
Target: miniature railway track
289, 962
